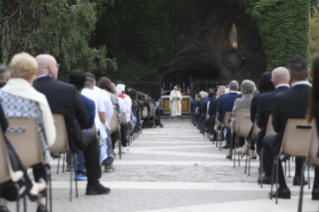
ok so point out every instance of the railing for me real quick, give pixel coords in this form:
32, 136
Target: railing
151, 88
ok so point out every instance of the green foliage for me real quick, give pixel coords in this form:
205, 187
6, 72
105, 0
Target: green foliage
138, 35
283, 27
142, 34
314, 35
58, 27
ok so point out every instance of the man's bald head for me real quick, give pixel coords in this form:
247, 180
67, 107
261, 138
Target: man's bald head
47, 65
280, 75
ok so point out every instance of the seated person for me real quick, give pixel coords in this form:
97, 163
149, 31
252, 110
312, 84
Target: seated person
280, 80
286, 105
247, 89
78, 78
20, 100
313, 113
225, 104
65, 99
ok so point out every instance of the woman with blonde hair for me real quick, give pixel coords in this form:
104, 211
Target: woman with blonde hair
19, 99
221, 90
212, 112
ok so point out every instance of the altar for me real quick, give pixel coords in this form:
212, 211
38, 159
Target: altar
186, 105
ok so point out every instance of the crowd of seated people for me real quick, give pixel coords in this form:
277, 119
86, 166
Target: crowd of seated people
30, 89
284, 93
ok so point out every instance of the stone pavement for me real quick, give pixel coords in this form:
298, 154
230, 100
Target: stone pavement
175, 169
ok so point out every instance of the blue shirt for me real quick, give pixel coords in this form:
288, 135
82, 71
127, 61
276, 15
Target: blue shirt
90, 110
225, 104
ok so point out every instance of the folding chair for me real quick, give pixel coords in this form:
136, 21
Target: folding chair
61, 145
242, 128
145, 115
269, 130
296, 142
7, 174
114, 125
255, 129
23, 136
225, 125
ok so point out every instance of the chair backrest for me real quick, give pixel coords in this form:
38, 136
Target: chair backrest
226, 118
4, 168
270, 128
297, 137
24, 137
313, 150
145, 112
114, 124
255, 130
61, 143
6, 172
243, 123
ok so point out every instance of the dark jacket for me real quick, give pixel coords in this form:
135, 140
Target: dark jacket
90, 110
317, 119
212, 107
253, 109
64, 99
290, 104
225, 104
204, 106
264, 109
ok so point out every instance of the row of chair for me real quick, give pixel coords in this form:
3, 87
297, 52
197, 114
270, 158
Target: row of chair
300, 140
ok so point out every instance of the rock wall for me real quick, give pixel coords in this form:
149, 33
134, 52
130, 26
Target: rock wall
206, 50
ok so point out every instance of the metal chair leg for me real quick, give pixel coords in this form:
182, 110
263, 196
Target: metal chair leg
246, 163
24, 204
63, 161
285, 168
249, 152
18, 196
71, 178
261, 167
272, 178
308, 167
301, 188
289, 167
234, 152
76, 181
57, 170
277, 174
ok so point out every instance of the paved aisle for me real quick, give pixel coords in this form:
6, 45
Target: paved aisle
175, 169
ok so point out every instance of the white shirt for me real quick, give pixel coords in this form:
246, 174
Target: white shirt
300, 83
122, 105
106, 101
98, 105
208, 103
128, 107
282, 85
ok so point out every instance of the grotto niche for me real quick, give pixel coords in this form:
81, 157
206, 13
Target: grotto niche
223, 45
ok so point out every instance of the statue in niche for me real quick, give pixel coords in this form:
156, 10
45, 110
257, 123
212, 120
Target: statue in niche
233, 37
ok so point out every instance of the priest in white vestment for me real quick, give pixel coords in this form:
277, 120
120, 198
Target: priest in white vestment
175, 102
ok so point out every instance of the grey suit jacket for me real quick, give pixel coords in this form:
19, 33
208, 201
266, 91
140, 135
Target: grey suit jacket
240, 104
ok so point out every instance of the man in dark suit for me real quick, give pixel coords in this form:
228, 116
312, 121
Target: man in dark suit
225, 104
4, 75
64, 99
281, 80
288, 104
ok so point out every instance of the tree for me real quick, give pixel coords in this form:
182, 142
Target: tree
61, 28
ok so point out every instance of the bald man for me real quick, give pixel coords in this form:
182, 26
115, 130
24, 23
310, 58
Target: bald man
64, 99
281, 80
